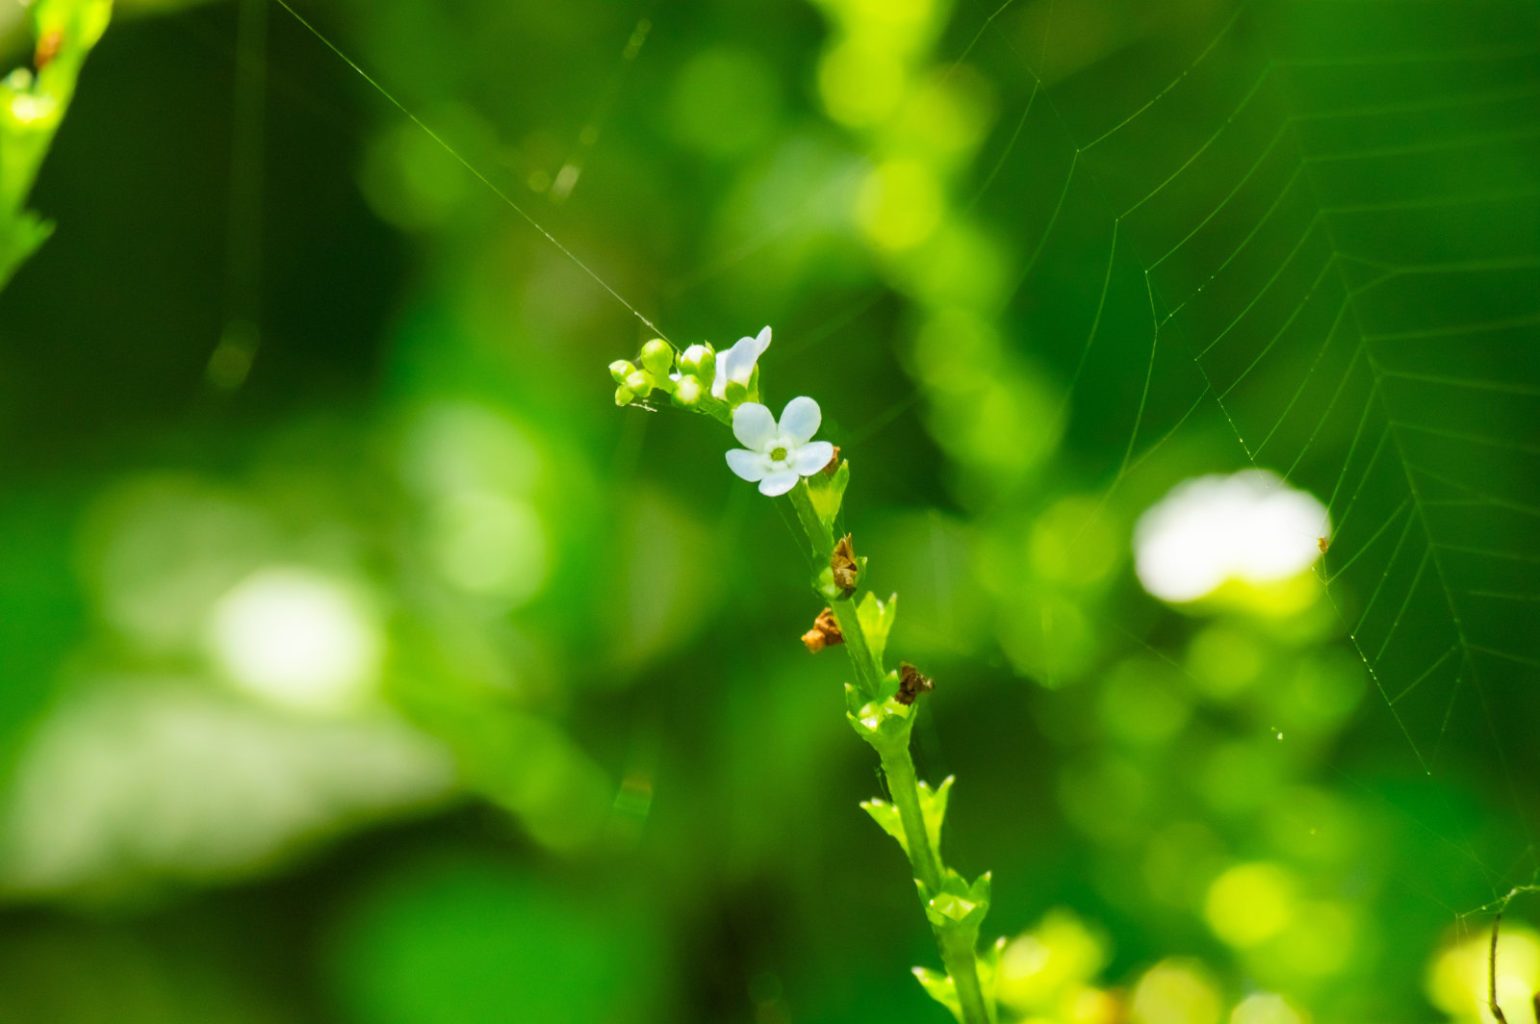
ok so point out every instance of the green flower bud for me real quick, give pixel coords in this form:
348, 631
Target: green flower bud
639, 382
620, 369
624, 395
699, 361
658, 358
687, 391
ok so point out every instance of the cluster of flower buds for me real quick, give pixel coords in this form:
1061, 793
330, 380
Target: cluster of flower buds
776, 454
633, 382
702, 380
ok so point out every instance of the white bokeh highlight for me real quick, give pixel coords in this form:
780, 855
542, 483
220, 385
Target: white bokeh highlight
298, 639
1249, 526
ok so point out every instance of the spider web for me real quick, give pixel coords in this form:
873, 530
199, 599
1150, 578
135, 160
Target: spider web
1322, 220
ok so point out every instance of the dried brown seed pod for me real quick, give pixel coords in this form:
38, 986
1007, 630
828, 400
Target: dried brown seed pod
825, 632
844, 566
47, 49
911, 683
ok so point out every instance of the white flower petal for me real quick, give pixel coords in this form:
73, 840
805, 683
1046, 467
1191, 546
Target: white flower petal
810, 458
747, 465
754, 427
737, 363
779, 482
741, 359
800, 419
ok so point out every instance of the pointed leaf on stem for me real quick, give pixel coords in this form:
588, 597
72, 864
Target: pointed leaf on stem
988, 965
877, 620
886, 815
828, 493
941, 988
933, 806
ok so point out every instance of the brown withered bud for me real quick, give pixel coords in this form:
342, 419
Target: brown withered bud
844, 566
911, 683
1323, 543
825, 632
47, 49
834, 463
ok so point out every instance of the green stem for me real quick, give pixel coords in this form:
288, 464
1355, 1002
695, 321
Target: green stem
904, 788
868, 672
818, 535
821, 540
958, 951
957, 947
961, 960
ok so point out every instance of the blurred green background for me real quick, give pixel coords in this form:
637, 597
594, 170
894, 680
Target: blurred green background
361, 662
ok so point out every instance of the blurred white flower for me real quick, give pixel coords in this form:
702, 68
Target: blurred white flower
1250, 526
777, 455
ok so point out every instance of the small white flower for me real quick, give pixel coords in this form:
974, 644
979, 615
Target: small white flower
777, 455
737, 363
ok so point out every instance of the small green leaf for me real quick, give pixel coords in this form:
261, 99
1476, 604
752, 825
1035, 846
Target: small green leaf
886, 815
941, 988
876, 621
979, 892
933, 807
828, 493
988, 964
19, 239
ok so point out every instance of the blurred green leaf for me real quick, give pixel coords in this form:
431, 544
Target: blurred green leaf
465, 940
